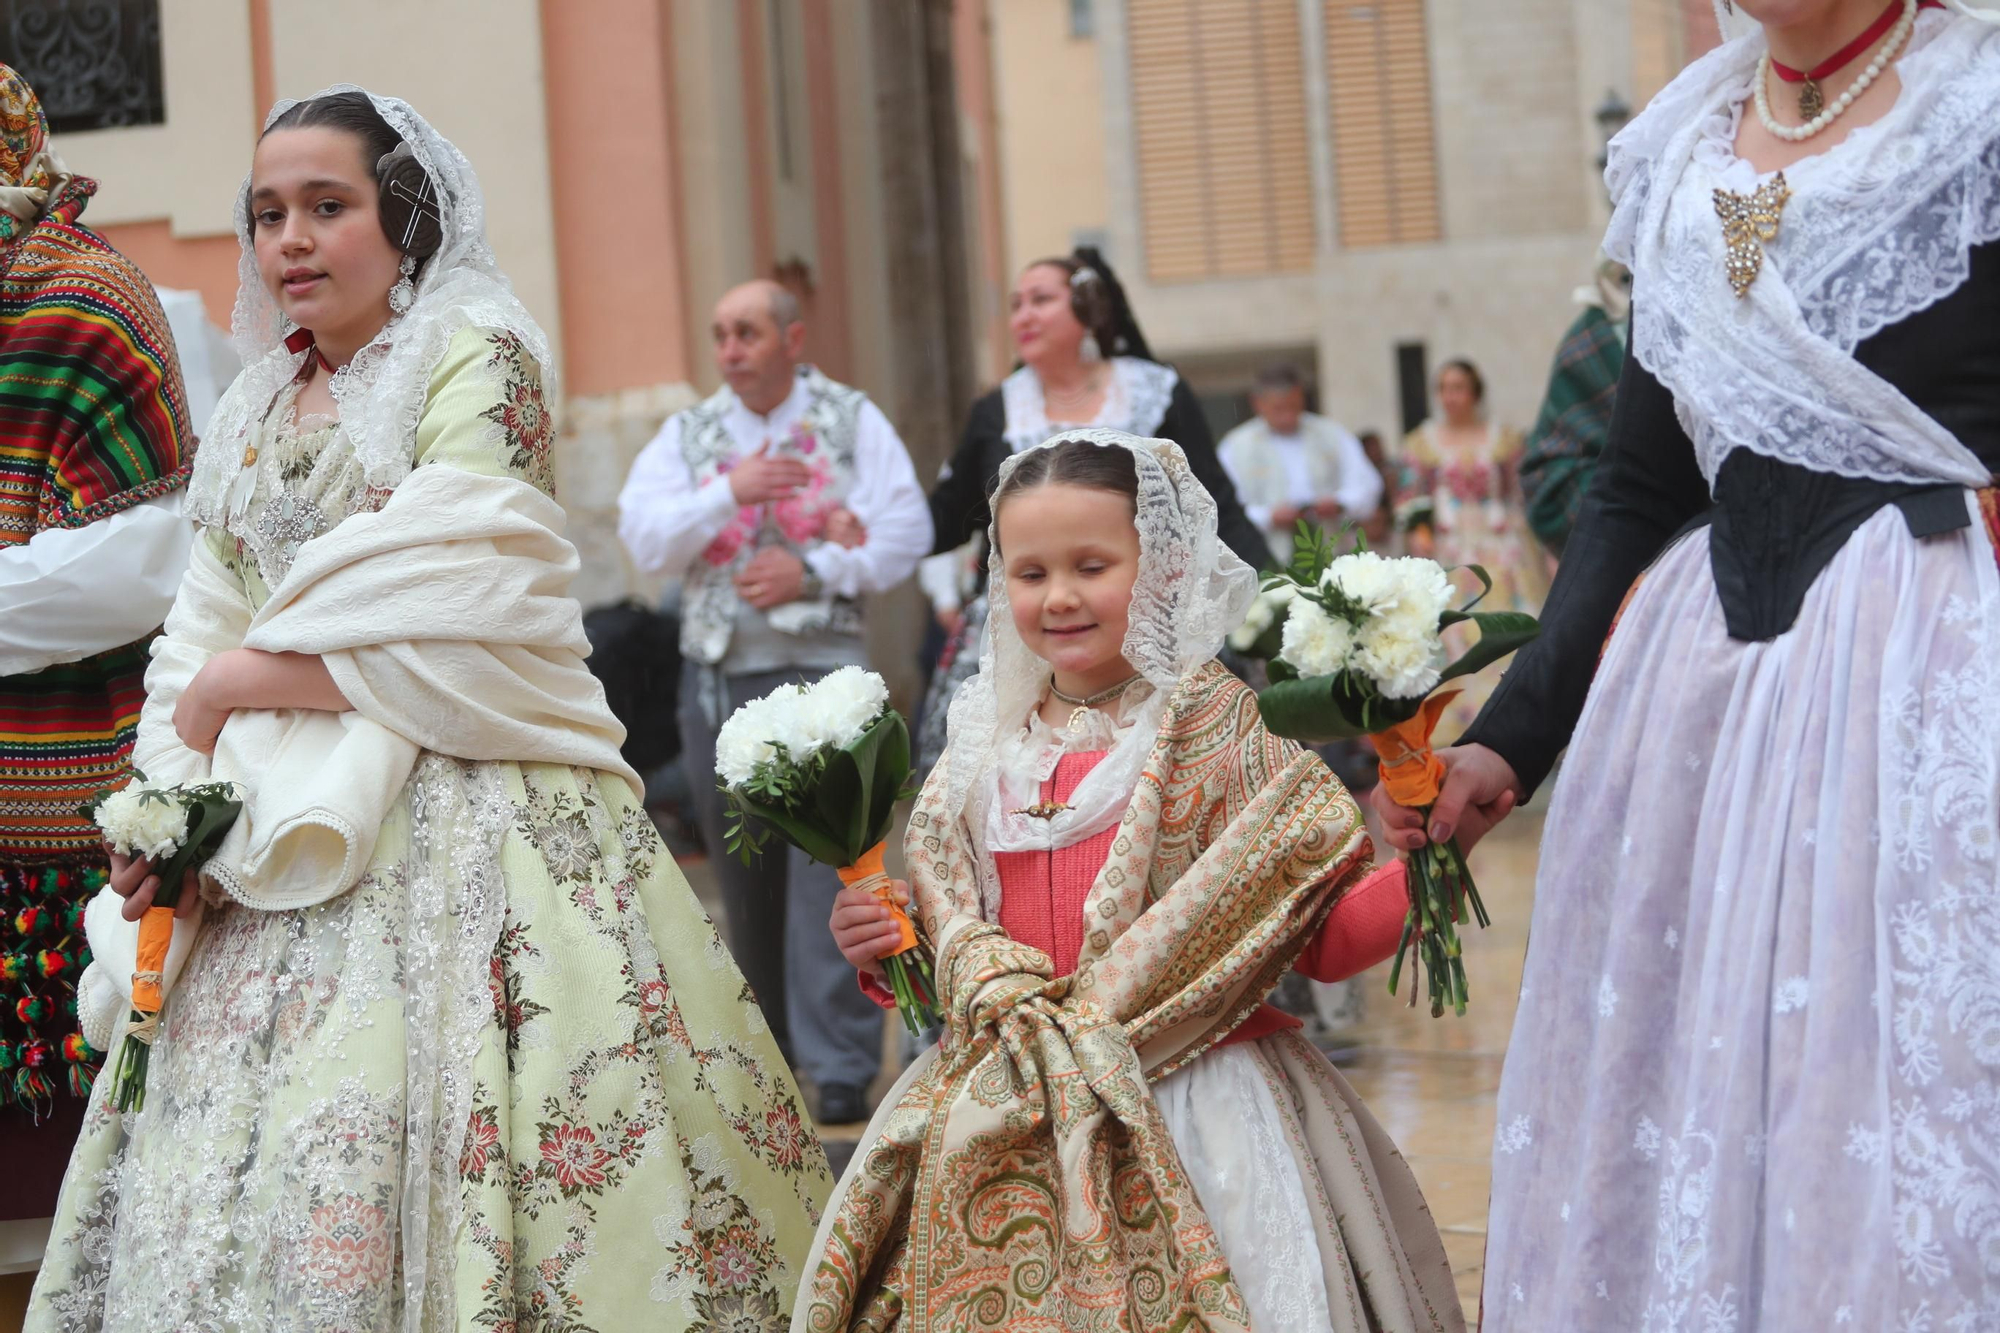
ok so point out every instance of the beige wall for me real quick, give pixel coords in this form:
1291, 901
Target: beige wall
1512, 158
715, 188
1049, 106
1514, 88
188, 170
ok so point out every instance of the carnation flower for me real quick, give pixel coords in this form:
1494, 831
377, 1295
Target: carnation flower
1315, 643
137, 826
1402, 664
842, 704
798, 721
745, 741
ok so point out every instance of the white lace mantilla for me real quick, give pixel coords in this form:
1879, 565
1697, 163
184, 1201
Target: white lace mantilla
381, 392
1190, 592
1878, 228
1135, 400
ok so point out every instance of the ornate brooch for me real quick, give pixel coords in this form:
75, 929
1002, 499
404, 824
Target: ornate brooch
1044, 810
1749, 223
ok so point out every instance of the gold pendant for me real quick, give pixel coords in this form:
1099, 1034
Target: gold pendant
1750, 222
1045, 810
250, 456
1811, 100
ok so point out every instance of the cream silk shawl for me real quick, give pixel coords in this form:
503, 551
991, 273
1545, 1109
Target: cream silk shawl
446, 620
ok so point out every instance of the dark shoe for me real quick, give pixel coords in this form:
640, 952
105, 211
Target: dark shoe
842, 1103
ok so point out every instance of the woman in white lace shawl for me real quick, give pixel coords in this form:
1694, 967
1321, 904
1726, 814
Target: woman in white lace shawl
454, 1047
1753, 1078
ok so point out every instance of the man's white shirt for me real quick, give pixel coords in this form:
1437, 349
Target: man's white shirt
666, 521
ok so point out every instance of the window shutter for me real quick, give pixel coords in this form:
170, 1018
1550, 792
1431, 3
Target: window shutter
1384, 143
1224, 156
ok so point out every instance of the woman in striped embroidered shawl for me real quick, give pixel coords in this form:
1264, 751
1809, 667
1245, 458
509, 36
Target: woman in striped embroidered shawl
94, 448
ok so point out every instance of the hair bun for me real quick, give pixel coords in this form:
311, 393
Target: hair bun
411, 210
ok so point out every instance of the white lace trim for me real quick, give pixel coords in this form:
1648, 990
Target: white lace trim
1136, 400
381, 392
1878, 228
1029, 757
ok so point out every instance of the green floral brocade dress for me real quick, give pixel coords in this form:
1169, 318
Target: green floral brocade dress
366, 1115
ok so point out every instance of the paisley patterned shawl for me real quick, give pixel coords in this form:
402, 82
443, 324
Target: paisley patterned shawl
1023, 1177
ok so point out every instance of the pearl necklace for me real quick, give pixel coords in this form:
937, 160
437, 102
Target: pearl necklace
1075, 398
1898, 35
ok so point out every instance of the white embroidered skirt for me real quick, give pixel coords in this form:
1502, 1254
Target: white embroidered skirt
1317, 1213
1752, 1083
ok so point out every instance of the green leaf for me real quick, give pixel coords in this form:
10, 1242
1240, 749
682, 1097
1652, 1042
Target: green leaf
839, 804
892, 774
807, 834
1485, 587
1316, 709
208, 821
1500, 633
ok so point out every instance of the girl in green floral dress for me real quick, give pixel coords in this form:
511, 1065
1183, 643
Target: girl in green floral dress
496, 1070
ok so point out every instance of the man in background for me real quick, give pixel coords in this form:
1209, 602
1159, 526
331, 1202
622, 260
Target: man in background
734, 497
1288, 463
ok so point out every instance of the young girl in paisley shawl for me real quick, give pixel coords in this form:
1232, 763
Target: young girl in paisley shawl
1116, 863
454, 1047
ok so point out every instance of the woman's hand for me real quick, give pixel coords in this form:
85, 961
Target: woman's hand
863, 928
250, 678
132, 879
205, 704
1480, 790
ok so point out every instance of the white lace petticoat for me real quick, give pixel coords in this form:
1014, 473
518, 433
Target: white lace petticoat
1755, 1075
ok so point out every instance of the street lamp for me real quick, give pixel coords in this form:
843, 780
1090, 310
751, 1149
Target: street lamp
1611, 115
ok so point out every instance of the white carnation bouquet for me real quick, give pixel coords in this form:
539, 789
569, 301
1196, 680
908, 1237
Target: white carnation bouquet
1363, 654
823, 766
177, 828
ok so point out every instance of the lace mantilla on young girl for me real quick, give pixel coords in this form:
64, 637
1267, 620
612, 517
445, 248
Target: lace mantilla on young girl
1878, 227
1178, 621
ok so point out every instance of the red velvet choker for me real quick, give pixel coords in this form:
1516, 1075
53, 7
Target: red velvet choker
301, 339
1812, 100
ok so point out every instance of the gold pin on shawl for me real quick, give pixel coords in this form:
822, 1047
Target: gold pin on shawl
1749, 223
1043, 810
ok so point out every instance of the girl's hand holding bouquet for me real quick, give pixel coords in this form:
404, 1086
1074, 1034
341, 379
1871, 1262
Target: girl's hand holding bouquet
823, 766
867, 926
158, 838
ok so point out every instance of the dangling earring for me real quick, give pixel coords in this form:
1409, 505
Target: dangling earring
404, 294
1089, 350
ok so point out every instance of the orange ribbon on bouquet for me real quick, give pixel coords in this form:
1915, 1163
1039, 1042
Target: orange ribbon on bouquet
1411, 771
156, 935
867, 873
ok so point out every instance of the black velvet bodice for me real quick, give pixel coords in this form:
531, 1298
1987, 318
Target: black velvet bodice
1773, 525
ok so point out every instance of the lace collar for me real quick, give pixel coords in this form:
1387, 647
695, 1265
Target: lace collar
1878, 227
1135, 401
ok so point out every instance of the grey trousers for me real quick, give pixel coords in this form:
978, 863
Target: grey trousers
777, 907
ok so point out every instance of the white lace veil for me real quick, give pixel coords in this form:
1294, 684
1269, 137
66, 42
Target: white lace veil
1190, 592
381, 391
